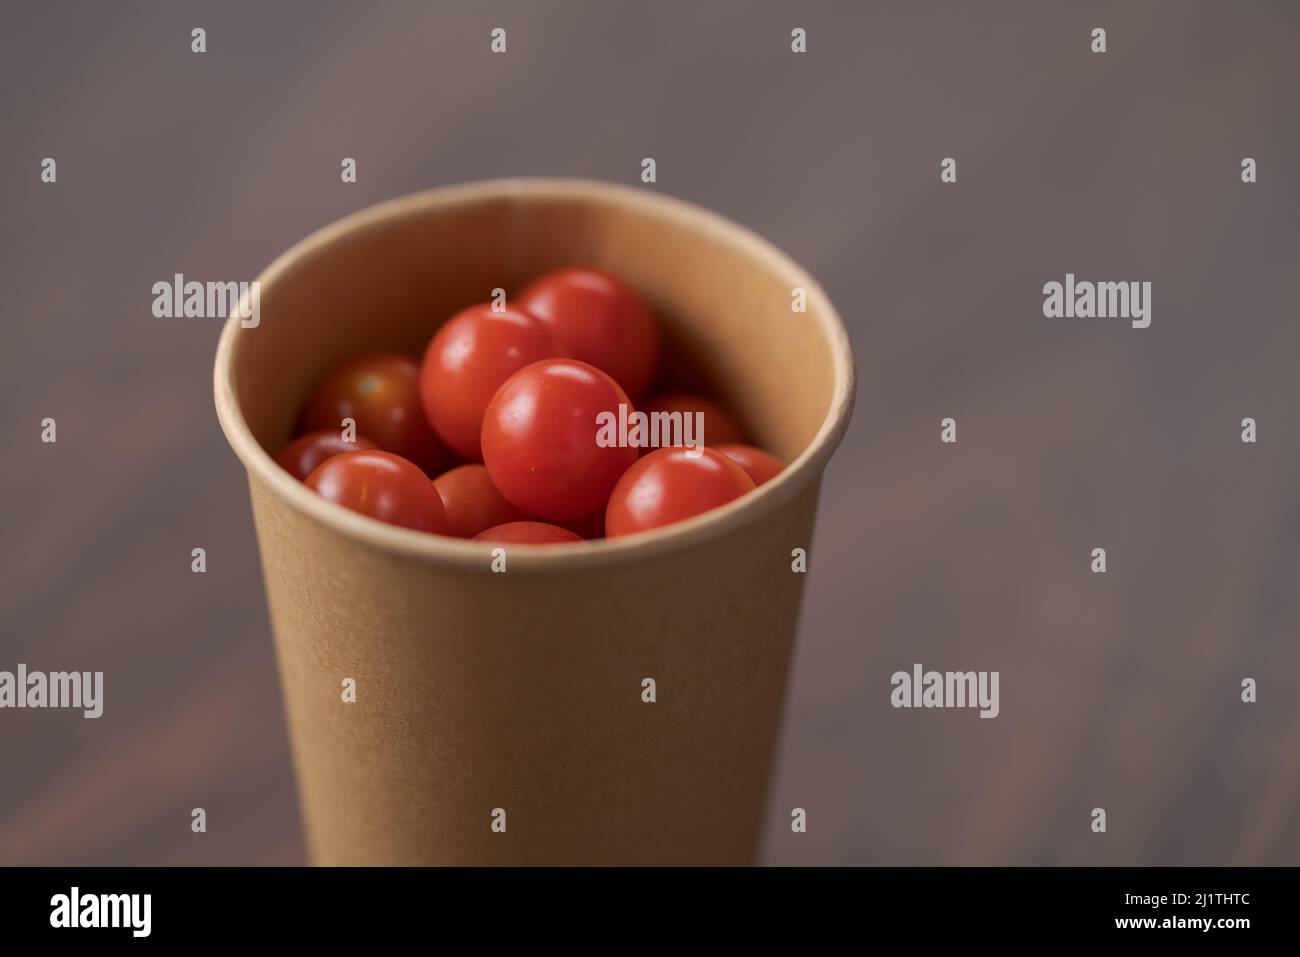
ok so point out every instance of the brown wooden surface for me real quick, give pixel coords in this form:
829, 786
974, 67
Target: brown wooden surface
1119, 691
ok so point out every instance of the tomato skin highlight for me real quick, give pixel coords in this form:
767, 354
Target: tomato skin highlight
668, 486
472, 502
381, 392
467, 361
301, 456
383, 486
540, 439
720, 426
601, 320
759, 465
527, 533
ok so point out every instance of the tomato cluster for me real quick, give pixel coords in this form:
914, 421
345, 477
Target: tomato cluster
493, 434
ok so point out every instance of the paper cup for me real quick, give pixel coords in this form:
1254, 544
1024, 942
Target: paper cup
500, 718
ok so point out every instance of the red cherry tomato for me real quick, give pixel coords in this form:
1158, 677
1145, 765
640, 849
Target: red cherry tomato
473, 503
383, 486
759, 465
539, 439
382, 393
527, 533
668, 485
465, 364
601, 320
301, 456
720, 426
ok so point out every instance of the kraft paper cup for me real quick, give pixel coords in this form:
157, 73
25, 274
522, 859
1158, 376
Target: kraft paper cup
516, 698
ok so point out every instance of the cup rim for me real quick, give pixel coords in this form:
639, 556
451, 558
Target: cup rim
465, 553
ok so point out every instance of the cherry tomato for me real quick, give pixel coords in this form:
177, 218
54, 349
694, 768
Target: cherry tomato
601, 320
383, 486
759, 465
539, 439
382, 393
668, 485
473, 503
527, 533
720, 426
304, 453
465, 364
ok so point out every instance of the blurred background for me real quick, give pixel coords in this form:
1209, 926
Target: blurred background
1119, 691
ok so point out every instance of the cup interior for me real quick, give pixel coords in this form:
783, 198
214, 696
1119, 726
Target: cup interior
384, 279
